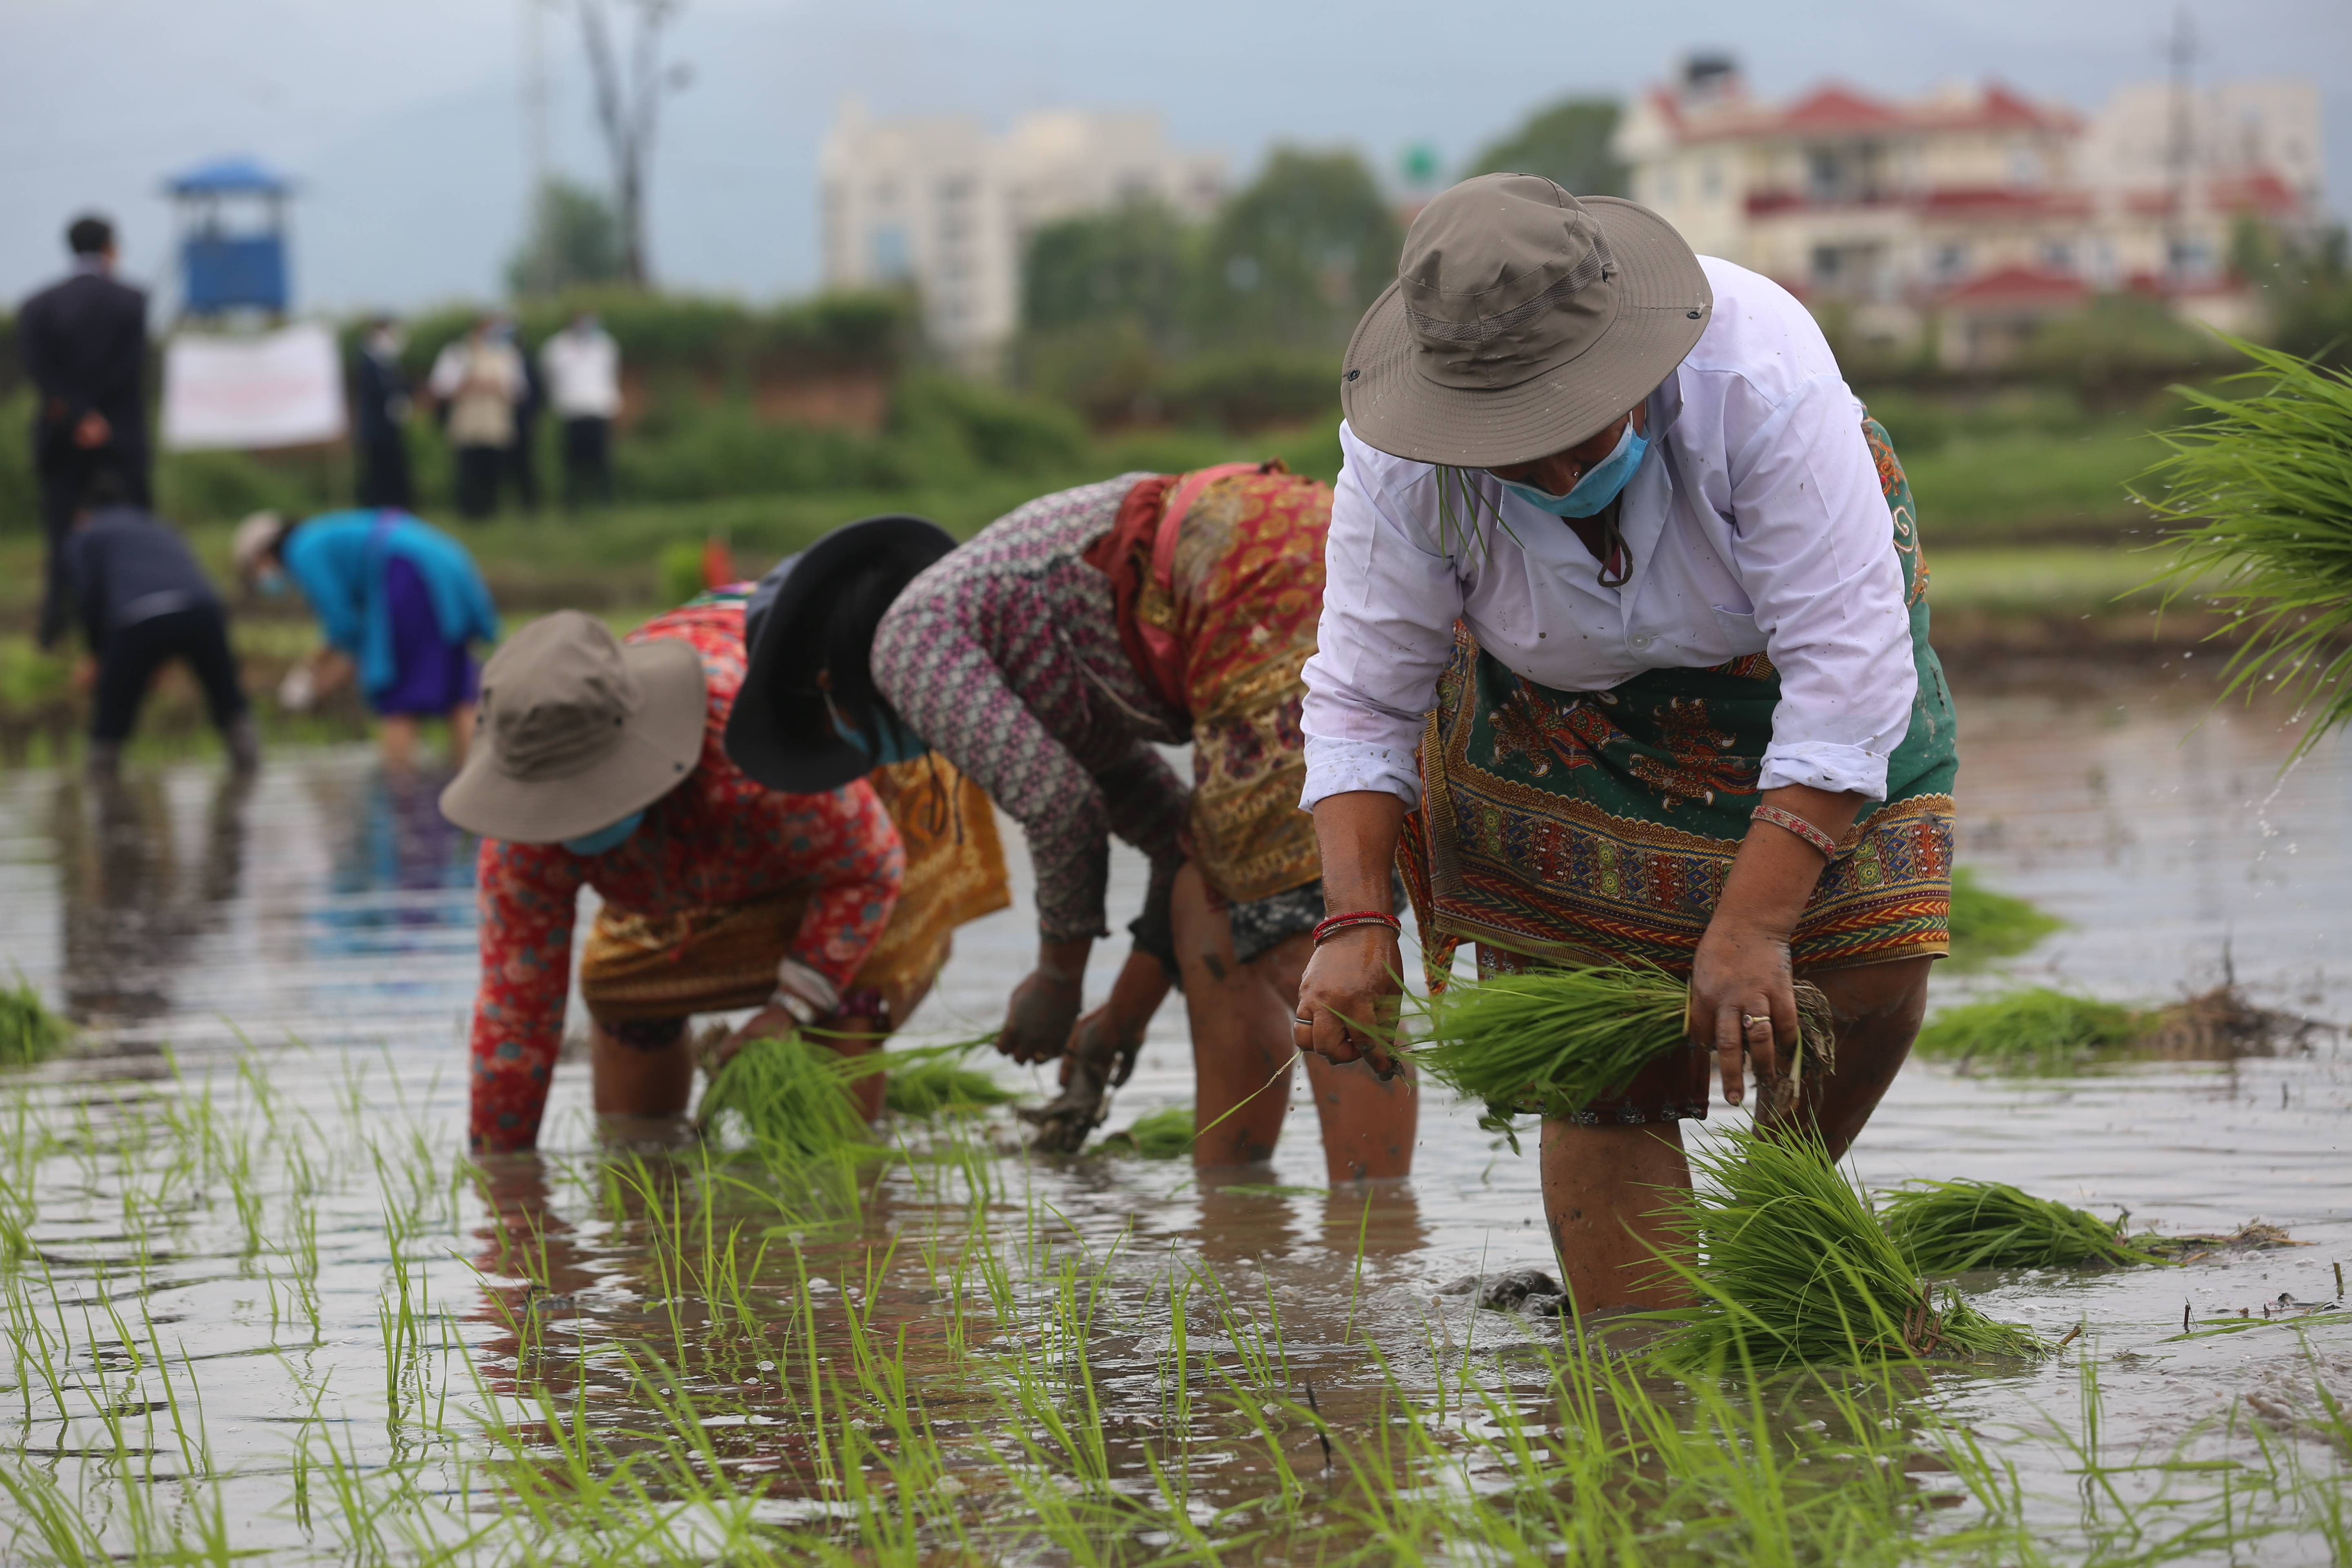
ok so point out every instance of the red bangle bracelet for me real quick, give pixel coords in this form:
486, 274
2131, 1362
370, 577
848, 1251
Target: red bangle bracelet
1791, 822
1336, 924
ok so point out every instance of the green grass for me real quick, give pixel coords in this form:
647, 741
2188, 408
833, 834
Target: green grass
1950, 1228
1988, 925
1163, 1134
1794, 1267
2259, 493
2033, 1030
1551, 1041
29, 1032
2011, 486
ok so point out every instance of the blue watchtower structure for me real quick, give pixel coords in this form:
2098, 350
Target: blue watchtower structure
232, 219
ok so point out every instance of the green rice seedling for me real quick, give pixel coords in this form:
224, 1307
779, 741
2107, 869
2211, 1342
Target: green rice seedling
1164, 1134
1550, 1041
2033, 1030
1988, 925
1795, 1267
789, 1100
29, 1032
1949, 1228
2260, 489
927, 1084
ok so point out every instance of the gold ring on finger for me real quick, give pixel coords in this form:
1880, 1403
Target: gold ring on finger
1749, 1020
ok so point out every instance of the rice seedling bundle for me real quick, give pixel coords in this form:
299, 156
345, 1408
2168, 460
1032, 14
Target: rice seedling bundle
29, 1032
1987, 925
2037, 1029
1164, 1134
1949, 1228
2262, 489
789, 1100
1795, 1267
920, 1090
1550, 1041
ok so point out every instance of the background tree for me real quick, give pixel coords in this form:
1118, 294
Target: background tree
1130, 263
628, 106
1567, 143
574, 238
1296, 258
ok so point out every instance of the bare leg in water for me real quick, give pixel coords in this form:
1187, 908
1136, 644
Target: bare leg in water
1242, 1050
1601, 1184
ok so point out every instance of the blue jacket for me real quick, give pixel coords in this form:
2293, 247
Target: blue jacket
338, 557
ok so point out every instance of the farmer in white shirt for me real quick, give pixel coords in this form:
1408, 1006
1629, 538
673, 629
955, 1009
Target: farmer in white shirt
582, 368
1625, 636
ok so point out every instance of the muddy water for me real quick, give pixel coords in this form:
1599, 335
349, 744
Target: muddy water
327, 906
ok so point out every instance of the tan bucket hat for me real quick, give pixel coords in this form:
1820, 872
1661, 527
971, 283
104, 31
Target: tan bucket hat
1523, 321
576, 731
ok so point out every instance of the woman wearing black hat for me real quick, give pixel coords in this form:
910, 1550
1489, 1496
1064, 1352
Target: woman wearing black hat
1625, 638
1047, 659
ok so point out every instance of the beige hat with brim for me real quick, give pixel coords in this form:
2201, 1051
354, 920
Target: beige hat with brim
1523, 321
576, 730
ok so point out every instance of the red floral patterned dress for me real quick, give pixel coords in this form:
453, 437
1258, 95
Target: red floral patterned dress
717, 838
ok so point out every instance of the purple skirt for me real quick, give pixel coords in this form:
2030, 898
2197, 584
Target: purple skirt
430, 675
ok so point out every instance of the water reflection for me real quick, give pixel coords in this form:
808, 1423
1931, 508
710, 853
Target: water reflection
134, 896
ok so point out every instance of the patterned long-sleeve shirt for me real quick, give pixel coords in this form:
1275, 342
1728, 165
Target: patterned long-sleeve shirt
1006, 657
717, 838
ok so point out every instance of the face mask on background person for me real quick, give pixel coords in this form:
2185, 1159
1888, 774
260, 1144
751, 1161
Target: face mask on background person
899, 745
606, 838
1600, 484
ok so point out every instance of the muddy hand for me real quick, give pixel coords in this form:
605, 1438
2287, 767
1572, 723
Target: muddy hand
1043, 1009
1102, 1053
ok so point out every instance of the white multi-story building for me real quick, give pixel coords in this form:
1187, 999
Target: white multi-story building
1976, 211
940, 203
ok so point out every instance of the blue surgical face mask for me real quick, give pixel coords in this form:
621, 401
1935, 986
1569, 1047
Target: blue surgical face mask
899, 745
1598, 485
606, 838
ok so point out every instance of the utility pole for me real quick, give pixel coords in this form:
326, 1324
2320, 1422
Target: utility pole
536, 157
2180, 150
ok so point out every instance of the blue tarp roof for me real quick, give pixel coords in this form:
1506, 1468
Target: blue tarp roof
240, 175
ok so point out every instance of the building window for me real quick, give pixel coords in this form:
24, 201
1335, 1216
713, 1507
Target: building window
2024, 166
1824, 173
1710, 177
2057, 255
1952, 261
890, 258
1666, 186
1826, 261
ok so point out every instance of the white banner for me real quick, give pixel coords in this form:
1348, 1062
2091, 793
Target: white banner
280, 389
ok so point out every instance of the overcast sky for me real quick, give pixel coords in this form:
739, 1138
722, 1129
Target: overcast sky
403, 118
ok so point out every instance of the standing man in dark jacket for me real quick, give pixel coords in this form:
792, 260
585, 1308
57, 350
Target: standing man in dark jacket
380, 408
142, 600
85, 345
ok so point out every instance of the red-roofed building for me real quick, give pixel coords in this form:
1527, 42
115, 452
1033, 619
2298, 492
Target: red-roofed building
1978, 201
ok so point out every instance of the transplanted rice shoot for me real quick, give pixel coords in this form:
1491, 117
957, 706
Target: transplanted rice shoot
1949, 1228
1987, 925
2262, 489
789, 1099
29, 1032
1165, 1134
1551, 1040
1795, 1267
2037, 1029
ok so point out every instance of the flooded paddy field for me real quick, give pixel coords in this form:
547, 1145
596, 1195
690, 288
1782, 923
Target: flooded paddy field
258, 1302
